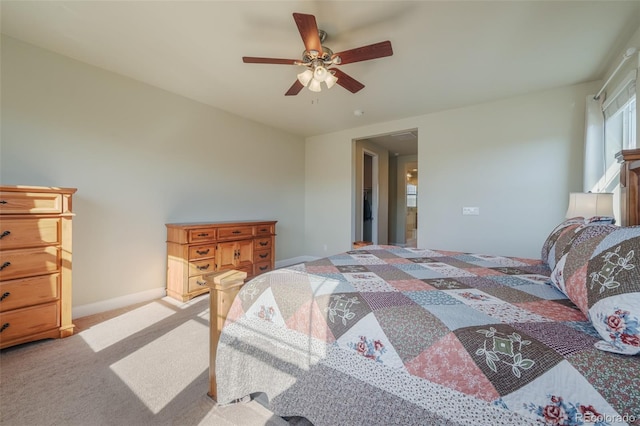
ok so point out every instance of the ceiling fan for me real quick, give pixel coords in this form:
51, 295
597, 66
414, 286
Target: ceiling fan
318, 59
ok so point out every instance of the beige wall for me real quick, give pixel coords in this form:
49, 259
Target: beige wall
516, 159
140, 157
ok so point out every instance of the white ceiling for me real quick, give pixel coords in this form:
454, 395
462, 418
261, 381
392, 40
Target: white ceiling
447, 54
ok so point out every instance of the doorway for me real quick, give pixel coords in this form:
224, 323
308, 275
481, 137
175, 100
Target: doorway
383, 190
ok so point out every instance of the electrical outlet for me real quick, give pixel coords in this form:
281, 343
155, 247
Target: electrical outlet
472, 211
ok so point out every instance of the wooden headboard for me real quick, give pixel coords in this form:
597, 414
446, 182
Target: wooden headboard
629, 186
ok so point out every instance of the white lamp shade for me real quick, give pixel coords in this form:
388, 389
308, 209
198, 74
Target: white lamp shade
320, 73
330, 80
305, 77
314, 85
590, 204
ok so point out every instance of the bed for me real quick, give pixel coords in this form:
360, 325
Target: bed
391, 335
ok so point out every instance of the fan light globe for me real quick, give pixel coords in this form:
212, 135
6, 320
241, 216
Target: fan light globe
314, 85
320, 73
330, 80
305, 77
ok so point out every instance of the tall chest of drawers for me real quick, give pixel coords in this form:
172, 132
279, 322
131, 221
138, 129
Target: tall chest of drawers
35, 263
197, 249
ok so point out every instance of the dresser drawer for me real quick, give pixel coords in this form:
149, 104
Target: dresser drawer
262, 243
264, 230
30, 202
21, 322
261, 267
28, 291
200, 235
202, 252
197, 283
232, 232
262, 256
200, 267
28, 262
19, 233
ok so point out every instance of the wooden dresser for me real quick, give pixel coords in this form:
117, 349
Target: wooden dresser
35, 263
629, 184
197, 249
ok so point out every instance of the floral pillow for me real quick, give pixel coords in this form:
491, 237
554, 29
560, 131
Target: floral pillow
558, 238
581, 241
600, 273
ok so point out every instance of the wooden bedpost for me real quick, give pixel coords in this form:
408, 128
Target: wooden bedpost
223, 288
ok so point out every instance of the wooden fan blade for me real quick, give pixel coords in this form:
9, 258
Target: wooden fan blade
253, 60
347, 81
309, 31
294, 89
365, 53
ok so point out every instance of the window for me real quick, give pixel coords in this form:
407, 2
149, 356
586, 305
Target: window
619, 132
412, 195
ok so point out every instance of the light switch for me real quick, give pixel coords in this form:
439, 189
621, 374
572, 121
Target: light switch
473, 211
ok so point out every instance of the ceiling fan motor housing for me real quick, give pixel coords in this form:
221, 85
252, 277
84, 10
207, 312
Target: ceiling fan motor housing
309, 56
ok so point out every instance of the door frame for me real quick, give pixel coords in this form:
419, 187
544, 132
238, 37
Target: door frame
374, 194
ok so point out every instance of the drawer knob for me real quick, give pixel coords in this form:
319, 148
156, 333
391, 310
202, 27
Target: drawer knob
5, 295
3, 202
262, 268
263, 243
202, 234
4, 326
201, 252
262, 256
4, 234
237, 232
4, 265
203, 283
205, 267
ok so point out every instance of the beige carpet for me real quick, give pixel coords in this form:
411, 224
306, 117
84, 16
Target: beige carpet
147, 365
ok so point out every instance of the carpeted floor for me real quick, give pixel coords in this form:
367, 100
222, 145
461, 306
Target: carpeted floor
145, 365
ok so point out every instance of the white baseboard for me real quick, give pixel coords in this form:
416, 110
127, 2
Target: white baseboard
156, 293
294, 260
117, 302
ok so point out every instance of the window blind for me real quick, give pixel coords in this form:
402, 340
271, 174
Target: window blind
620, 97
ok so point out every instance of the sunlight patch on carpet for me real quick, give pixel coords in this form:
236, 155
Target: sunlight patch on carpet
112, 331
148, 373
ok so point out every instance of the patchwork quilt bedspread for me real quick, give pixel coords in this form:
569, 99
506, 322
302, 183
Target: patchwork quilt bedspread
389, 335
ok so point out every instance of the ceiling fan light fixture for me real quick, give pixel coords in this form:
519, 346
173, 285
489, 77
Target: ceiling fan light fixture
330, 80
305, 77
314, 85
